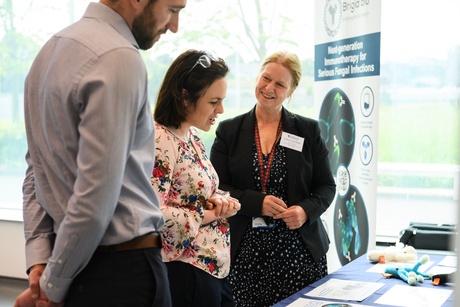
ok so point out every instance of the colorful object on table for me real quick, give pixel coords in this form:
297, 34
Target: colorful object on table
393, 254
409, 275
441, 279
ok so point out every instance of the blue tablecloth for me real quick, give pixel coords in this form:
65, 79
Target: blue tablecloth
356, 270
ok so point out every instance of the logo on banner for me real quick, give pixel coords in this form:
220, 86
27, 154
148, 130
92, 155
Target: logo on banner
332, 16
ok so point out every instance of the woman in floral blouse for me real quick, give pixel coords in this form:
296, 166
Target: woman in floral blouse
196, 238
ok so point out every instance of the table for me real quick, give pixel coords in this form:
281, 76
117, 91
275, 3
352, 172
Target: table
357, 271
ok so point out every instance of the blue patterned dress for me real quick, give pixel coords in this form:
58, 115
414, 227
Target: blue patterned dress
272, 263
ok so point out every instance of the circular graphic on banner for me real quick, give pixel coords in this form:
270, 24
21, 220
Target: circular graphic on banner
352, 226
337, 123
332, 17
367, 101
343, 180
366, 150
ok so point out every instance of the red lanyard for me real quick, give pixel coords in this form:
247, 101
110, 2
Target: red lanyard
265, 172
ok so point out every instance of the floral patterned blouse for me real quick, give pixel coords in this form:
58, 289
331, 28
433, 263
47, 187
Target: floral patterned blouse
184, 179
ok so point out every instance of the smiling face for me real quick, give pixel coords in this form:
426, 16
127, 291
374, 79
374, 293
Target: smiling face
273, 86
157, 18
204, 113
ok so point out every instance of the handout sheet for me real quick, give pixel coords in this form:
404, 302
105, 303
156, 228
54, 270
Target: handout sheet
349, 290
404, 295
306, 302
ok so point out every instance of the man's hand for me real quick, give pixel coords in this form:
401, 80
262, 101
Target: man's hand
27, 299
34, 296
35, 273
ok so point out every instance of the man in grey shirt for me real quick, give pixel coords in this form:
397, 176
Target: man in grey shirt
90, 214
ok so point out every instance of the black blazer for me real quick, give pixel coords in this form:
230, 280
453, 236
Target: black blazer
310, 181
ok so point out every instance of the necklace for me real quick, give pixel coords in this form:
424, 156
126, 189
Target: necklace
175, 132
265, 170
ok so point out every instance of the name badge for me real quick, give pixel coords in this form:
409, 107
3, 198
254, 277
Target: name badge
259, 222
291, 141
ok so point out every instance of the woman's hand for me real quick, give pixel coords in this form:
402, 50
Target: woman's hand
220, 206
272, 206
294, 217
232, 208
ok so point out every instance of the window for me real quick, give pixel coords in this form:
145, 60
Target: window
419, 100
23, 30
419, 152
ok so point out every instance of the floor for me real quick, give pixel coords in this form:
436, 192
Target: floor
9, 289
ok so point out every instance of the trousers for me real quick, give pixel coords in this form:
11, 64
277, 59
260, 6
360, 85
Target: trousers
193, 287
134, 278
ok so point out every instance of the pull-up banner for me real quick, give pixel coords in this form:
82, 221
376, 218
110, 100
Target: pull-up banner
348, 58
347, 85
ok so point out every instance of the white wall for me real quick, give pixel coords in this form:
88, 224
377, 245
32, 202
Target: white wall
12, 255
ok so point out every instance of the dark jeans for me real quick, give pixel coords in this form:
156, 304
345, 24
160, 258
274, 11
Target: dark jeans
128, 278
193, 287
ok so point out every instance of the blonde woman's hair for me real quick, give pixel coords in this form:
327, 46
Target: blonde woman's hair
290, 61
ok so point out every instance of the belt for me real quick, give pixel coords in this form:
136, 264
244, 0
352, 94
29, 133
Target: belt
149, 240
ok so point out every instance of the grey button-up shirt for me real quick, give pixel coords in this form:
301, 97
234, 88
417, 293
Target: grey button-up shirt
91, 147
